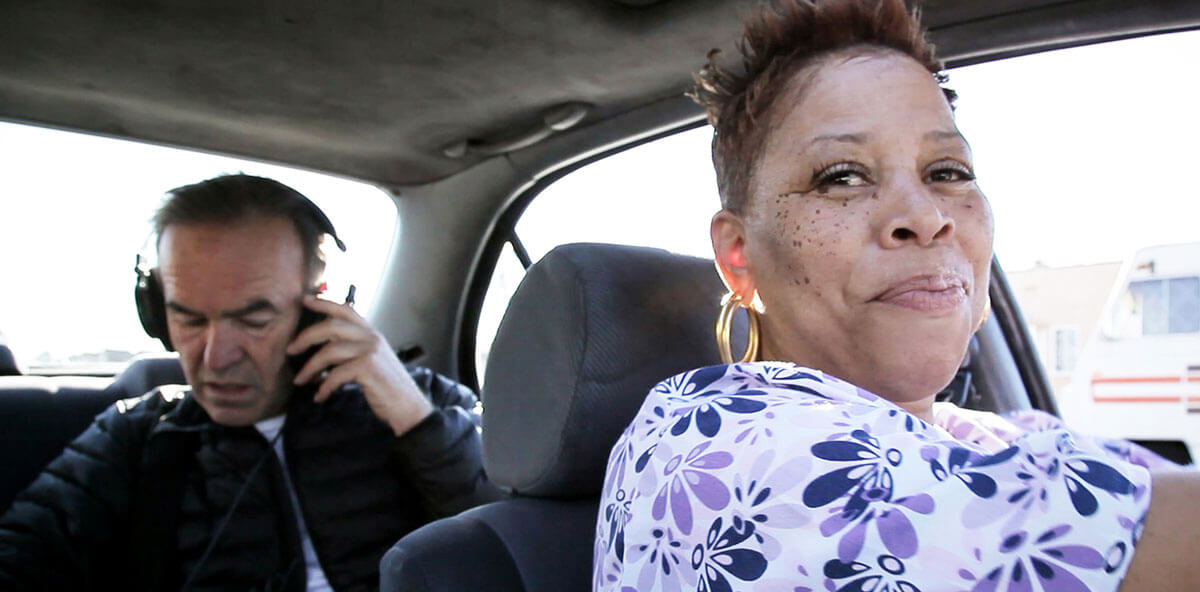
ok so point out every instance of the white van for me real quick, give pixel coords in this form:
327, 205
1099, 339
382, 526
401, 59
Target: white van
1139, 377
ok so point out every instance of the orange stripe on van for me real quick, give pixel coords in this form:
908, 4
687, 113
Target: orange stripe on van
1146, 399
1141, 379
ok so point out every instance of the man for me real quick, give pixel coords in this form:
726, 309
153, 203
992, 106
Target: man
259, 475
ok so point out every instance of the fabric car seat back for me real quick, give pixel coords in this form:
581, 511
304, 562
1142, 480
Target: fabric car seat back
591, 329
40, 415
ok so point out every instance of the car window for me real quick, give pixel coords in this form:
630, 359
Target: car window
76, 212
660, 194
1085, 155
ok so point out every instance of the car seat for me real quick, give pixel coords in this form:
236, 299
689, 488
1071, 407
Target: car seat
39, 415
146, 373
8, 363
589, 331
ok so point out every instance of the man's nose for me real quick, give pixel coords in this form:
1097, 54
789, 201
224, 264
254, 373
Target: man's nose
913, 215
223, 346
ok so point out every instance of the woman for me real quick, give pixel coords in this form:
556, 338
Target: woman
853, 229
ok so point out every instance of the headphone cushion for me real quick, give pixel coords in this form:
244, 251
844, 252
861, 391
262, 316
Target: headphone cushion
151, 308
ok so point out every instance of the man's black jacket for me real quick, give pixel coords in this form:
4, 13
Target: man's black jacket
133, 502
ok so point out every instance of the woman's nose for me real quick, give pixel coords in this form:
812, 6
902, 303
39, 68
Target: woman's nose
222, 347
913, 214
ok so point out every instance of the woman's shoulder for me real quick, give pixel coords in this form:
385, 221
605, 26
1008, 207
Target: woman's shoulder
775, 472
806, 385
746, 393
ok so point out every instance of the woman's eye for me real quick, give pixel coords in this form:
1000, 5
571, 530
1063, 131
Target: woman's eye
949, 173
839, 175
843, 178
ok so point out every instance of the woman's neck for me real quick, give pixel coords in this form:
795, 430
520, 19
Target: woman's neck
922, 408
770, 351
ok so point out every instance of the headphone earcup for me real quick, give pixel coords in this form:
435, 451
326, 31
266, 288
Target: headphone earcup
152, 310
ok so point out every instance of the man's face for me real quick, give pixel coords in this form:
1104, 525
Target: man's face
233, 301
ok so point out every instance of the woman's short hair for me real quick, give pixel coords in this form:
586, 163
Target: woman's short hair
783, 38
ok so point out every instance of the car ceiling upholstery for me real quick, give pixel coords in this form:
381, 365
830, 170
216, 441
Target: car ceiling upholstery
374, 90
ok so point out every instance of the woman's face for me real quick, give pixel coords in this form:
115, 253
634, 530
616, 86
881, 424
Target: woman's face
865, 235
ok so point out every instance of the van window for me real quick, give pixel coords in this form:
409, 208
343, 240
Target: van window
76, 213
1160, 307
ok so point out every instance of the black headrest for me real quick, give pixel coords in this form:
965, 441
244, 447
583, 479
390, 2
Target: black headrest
590, 330
8, 364
147, 373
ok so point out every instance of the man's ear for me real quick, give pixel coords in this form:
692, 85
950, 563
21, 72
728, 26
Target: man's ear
728, 232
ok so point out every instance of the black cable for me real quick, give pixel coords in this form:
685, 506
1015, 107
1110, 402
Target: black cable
224, 523
282, 579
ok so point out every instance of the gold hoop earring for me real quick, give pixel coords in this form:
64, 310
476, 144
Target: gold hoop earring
987, 311
729, 305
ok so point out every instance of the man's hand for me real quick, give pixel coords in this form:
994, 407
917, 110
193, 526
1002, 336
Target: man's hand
353, 351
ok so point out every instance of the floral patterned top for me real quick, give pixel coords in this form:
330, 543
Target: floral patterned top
771, 476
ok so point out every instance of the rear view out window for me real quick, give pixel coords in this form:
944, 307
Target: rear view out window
76, 212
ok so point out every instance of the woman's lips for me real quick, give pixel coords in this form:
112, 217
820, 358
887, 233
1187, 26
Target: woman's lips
927, 293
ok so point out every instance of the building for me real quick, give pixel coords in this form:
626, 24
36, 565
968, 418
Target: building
1062, 307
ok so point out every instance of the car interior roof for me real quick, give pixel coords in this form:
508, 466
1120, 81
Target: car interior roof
378, 90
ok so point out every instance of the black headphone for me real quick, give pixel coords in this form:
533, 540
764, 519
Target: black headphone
148, 292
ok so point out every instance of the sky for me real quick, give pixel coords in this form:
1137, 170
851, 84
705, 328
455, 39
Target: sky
1086, 155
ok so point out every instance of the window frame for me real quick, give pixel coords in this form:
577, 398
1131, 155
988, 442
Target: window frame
504, 231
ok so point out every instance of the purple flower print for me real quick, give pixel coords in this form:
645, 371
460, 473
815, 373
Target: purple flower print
1096, 474
869, 479
622, 452
664, 560
689, 400
757, 498
882, 575
608, 568
785, 376
720, 558
893, 526
1078, 474
1080, 469
963, 464
616, 516
690, 383
1045, 559
707, 409
867, 485
761, 426
690, 474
